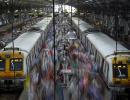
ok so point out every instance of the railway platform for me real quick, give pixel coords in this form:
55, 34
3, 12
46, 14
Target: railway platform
24, 95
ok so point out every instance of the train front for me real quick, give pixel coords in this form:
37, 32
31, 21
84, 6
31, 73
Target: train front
121, 71
11, 70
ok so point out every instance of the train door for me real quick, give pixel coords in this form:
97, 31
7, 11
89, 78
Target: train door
99, 59
105, 71
89, 47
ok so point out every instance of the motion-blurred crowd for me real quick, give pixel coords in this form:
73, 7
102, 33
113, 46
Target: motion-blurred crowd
75, 76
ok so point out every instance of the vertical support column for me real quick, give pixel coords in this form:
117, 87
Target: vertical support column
78, 35
12, 25
71, 13
54, 49
116, 26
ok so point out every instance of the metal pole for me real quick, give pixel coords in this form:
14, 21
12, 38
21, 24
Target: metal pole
71, 13
78, 47
116, 27
54, 49
12, 25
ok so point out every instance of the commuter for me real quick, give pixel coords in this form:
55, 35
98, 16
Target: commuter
81, 88
73, 88
34, 81
59, 90
60, 74
43, 87
49, 90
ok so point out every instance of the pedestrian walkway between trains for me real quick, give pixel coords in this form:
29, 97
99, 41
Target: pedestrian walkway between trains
82, 60
79, 84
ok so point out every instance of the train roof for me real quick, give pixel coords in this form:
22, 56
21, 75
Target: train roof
43, 23
83, 26
25, 41
104, 44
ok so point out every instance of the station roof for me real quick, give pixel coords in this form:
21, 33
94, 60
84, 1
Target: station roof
20, 4
107, 6
110, 5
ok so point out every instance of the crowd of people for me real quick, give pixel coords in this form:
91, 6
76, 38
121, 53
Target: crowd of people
74, 79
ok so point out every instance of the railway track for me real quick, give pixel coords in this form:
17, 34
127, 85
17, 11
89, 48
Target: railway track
10, 95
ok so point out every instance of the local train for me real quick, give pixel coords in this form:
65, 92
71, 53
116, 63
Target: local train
18, 57
112, 64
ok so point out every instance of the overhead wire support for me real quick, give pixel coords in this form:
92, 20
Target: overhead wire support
54, 49
78, 47
12, 26
116, 27
71, 13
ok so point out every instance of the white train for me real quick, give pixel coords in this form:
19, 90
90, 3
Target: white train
16, 62
113, 65
81, 26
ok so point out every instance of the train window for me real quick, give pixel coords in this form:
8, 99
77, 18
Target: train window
93, 50
39, 45
106, 70
89, 47
31, 58
35, 51
101, 59
16, 64
2, 64
32, 54
28, 61
44, 36
97, 58
86, 43
35, 55
84, 39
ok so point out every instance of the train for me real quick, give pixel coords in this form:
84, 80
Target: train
112, 59
17, 58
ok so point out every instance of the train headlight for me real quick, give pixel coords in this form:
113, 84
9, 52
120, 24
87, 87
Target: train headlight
119, 66
124, 66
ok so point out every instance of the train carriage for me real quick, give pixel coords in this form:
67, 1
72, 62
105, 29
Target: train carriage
103, 49
82, 28
18, 57
112, 65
